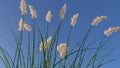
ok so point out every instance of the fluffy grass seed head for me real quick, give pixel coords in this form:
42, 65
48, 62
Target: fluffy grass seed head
27, 27
97, 20
63, 11
23, 7
45, 45
48, 42
110, 30
48, 16
74, 19
21, 25
32, 12
62, 49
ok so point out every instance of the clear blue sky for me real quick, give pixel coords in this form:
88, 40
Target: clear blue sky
87, 9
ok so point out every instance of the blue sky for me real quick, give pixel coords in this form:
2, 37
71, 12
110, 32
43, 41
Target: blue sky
87, 9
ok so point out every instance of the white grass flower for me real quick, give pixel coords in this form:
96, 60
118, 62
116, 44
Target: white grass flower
62, 54
62, 49
110, 30
48, 16
27, 27
23, 7
97, 20
74, 19
32, 12
48, 42
45, 44
21, 25
63, 11
42, 44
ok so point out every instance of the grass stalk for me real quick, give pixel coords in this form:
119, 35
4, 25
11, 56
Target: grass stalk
68, 40
33, 47
28, 57
4, 58
82, 42
44, 63
93, 58
19, 45
57, 37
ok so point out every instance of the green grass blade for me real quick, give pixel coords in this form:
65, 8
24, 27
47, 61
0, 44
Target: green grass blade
109, 62
33, 48
16, 40
7, 63
81, 46
93, 58
57, 38
44, 52
102, 58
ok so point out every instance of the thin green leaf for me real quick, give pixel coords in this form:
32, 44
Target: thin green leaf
7, 63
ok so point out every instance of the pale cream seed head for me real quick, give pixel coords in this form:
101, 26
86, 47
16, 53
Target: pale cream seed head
48, 16
97, 20
63, 11
111, 30
46, 44
21, 25
74, 19
23, 7
32, 12
62, 49
42, 46
27, 27
62, 54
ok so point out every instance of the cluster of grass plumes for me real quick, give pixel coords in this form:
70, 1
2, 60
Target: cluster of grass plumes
44, 53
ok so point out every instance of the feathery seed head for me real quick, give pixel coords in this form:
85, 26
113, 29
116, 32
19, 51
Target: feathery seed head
32, 12
21, 25
27, 27
23, 7
111, 30
97, 20
46, 44
63, 11
74, 19
62, 49
48, 16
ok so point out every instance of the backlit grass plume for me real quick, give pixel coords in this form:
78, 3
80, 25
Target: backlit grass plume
23, 7
97, 20
36, 49
48, 16
63, 11
21, 25
74, 19
62, 49
110, 30
46, 44
32, 12
27, 27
